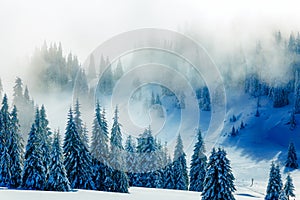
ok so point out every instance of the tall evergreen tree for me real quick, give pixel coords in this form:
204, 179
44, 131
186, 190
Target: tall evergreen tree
16, 151
168, 174
218, 183
91, 68
149, 161
119, 71
289, 187
119, 177
280, 97
275, 183
106, 82
18, 92
291, 157
130, 159
99, 151
99, 146
5, 173
79, 124
116, 143
181, 180
81, 87
198, 165
78, 161
34, 172
58, 180
45, 134
25, 106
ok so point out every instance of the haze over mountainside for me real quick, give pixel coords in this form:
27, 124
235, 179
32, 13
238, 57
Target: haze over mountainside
150, 99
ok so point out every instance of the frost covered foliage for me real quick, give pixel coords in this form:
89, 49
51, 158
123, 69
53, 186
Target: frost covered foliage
218, 182
58, 180
119, 177
99, 146
34, 173
181, 180
275, 183
11, 147
288, 187
78, 161
198, 165
292, 157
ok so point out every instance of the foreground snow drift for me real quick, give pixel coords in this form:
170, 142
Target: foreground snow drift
135, 194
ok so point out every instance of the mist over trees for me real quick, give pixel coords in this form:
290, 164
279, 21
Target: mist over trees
108, 162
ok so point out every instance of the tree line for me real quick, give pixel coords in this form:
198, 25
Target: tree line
105, 164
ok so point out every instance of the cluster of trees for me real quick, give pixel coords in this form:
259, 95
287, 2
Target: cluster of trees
257, 85
45, 165
55, 72
149, 165
275, 188
25, 105
291, 161
103, 165
203, 97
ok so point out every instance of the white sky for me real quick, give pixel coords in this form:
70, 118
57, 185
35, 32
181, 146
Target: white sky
82, 25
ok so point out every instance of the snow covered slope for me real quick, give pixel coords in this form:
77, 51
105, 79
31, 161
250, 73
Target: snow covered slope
135, 194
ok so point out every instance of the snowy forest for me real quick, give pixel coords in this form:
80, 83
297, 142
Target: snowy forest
94, 153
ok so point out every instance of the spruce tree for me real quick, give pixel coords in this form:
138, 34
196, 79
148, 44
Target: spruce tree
5, 132
198, 165
79, 124
102, 176
18, 92
291, 161
106, 84
45, 133
119, 71
119, 177
116, 143
130, 159
292, 121
16, 151
99, 146
99, 151
78, 161
91, 68
34, 172
218, 183
5, 172
181, 180
289, 187
57, 180
275, 183
168, 174
149, 159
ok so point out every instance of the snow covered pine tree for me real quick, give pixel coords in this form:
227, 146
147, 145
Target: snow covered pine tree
218, 182
275, 183
291, 161
78, 161
198, 165
58, 180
